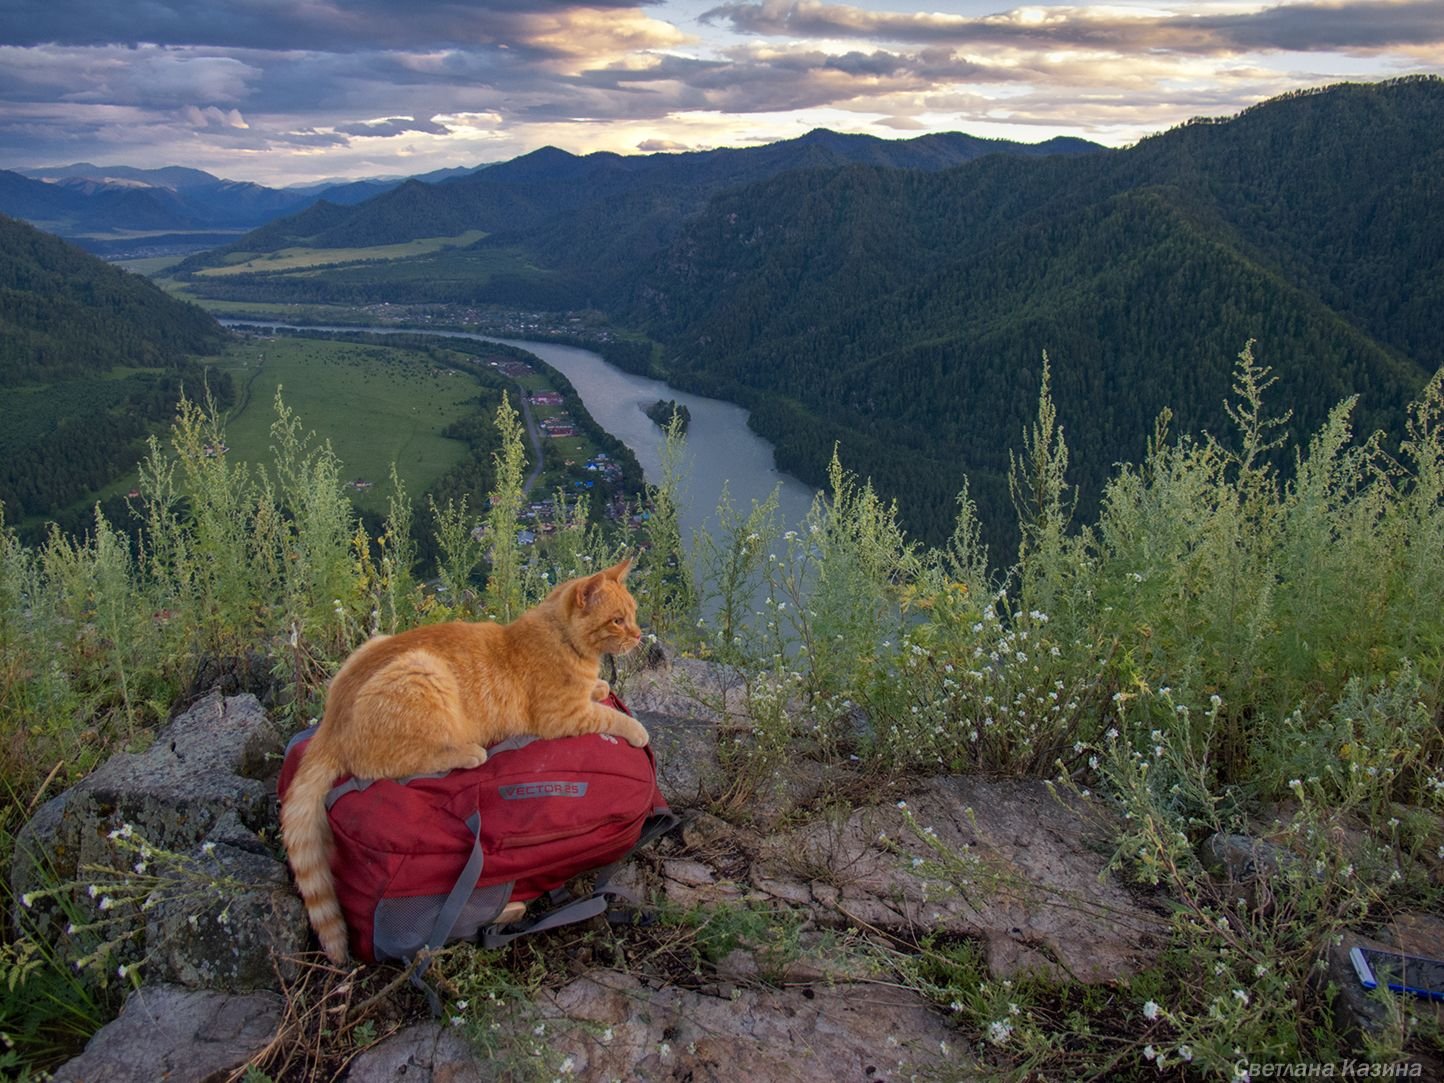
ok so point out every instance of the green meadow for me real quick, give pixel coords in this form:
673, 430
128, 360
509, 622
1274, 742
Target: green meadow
375, 404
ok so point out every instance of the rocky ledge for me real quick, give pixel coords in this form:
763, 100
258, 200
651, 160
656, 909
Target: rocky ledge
851, 868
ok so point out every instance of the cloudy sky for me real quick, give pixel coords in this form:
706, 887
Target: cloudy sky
288, 91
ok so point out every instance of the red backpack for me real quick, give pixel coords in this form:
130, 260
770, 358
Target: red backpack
425, 860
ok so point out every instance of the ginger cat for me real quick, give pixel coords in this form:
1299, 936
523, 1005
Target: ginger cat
431, 699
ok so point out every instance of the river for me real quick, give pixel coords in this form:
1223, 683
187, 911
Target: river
721, 449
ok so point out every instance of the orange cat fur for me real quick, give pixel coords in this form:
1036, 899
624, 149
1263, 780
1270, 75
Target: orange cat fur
433, 698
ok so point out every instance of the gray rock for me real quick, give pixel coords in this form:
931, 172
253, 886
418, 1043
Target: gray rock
166, 1033
618, 1028
1004, 862
683, 706
234, 940
424, 1053
199, 785
690, 689
1243, 858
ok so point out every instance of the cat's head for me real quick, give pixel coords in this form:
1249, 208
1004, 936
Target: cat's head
604, 611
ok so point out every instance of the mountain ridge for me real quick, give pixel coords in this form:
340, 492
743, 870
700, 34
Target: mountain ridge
548, 183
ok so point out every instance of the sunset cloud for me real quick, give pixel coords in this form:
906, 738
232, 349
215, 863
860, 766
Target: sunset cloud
273, 91
1352, 26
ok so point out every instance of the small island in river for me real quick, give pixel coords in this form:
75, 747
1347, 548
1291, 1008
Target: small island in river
662, 410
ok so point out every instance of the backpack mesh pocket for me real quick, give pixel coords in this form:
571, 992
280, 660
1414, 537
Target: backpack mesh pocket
405, 926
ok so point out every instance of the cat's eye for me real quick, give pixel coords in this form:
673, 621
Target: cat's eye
618, 620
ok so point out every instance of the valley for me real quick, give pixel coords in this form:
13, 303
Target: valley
896, 300
902, 314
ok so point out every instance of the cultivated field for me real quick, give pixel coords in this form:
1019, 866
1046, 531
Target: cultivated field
291, 259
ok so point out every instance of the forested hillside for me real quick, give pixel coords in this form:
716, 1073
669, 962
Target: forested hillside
63, 313
905, 314
90, 357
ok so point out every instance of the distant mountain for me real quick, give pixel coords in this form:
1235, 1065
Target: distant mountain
84, 201
81, 205
582, 215
176, 177
90, 357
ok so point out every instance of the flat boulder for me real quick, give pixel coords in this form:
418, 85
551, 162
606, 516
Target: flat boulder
610, 1025
169, 1034
1005, 862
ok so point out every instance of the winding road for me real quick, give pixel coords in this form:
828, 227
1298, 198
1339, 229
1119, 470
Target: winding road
533, 435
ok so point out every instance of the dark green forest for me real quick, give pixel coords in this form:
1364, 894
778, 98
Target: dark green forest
905, 315
92, 359
64, 313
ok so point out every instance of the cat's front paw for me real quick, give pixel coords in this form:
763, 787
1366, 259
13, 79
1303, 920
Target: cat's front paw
635, 734
601, 690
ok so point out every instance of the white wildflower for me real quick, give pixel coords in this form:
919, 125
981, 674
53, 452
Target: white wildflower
999, 1031
1150, 1010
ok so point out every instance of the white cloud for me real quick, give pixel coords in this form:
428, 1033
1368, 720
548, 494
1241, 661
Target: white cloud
210, 116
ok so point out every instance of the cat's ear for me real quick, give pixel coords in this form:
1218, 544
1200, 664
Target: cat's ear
618, 572
586, 590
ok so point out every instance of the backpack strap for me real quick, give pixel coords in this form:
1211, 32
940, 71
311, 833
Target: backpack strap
600, 901
451, 909
579, 910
